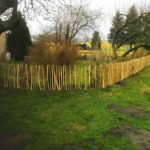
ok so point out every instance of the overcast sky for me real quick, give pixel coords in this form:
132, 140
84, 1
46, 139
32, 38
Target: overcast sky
108, 9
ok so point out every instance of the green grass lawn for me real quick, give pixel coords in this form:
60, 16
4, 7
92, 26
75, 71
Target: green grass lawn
75, 119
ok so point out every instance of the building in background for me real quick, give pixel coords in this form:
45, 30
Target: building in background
4, 55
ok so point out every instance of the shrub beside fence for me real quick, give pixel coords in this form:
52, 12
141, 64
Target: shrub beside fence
51, 78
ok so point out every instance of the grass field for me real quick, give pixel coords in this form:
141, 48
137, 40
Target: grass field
107, 48
78, 120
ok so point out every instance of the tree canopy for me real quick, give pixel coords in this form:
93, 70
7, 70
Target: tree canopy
135, 31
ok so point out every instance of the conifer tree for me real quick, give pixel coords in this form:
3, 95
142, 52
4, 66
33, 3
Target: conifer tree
118, 22
132, 29
19, 39
96, 41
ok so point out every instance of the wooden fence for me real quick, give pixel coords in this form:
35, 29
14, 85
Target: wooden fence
51, 78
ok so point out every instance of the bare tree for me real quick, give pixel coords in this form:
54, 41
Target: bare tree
72, 18
30, 8
69, 16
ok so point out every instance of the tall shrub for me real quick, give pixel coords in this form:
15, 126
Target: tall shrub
59, 53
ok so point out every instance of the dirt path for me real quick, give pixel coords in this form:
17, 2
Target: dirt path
139, 137
134, 112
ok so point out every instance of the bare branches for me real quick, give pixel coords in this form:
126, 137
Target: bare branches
71, 18
139, 33
29, 8
136, 48
142, 16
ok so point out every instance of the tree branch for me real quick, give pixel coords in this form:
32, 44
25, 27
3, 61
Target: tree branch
136, 48
143, 15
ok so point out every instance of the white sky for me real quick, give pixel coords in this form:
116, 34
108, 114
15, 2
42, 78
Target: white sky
108, 8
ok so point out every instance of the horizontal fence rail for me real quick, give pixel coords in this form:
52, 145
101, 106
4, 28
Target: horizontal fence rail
56, 77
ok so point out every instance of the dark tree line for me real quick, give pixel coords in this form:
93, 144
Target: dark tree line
131, 29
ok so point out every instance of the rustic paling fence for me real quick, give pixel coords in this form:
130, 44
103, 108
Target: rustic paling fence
51, 78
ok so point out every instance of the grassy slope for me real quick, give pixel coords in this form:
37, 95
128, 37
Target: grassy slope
54, 119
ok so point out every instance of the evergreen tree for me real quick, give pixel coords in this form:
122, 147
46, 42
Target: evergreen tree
96, 41
144, 26
134, 28
118, 22
19, 39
